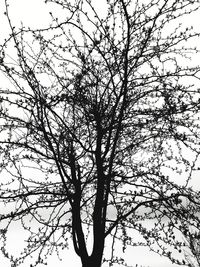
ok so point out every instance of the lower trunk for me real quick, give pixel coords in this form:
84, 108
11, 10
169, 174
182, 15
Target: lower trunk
92, 261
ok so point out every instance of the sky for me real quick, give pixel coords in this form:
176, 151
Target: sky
35, 13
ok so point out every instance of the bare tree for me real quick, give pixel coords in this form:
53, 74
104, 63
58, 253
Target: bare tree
97, 124
191, 234
192, 256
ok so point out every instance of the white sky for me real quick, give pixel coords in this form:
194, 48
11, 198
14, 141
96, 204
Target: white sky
35, 13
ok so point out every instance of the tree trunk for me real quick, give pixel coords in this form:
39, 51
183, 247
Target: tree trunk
92, 261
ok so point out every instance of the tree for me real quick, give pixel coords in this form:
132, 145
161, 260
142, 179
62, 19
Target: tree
193, 255
192, 242
100, 128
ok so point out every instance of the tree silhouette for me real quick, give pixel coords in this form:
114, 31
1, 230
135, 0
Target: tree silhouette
192, 241
100, 129
193, 255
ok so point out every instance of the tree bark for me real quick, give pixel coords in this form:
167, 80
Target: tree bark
92, 261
